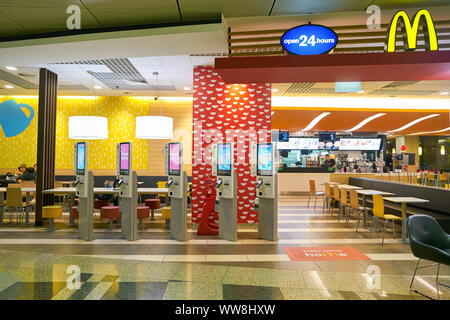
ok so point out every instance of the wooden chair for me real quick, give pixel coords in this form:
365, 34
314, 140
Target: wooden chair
328, 195
315, 193
354, 206
378, 212
343, 204
335, 197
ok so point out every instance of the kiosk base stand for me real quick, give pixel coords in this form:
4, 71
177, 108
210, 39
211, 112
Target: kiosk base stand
86, 209
128, 210
228, 214
178, 215
268, 215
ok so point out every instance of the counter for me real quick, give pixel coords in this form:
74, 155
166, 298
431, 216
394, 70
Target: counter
297, 182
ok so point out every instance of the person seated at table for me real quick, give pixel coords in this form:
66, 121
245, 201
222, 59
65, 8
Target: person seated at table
111, 197
28, 175
21, 170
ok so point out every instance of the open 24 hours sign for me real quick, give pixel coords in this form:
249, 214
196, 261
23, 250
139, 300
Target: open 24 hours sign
309, 39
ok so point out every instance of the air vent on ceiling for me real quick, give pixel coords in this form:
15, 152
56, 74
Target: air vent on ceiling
224, 54
18, 81
393, 92
397, 84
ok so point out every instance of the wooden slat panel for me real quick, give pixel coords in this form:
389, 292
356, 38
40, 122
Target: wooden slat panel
48, 83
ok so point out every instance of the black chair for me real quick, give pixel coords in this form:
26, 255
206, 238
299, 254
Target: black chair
430, 242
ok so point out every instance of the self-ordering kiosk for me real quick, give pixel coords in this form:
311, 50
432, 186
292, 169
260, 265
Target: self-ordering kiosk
177, 185
128, 191
226, 189
262, 160
84, 185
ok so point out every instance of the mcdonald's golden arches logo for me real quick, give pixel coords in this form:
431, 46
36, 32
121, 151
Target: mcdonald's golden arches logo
421, 18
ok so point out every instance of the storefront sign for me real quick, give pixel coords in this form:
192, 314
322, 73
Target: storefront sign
309, 39
324, 253
422, 18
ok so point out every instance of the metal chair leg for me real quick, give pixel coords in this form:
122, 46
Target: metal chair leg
309, 196
393, 226
315, 202
384, 231
359, 218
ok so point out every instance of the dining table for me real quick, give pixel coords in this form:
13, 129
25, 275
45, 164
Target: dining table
365, 193
404, 201
71, 192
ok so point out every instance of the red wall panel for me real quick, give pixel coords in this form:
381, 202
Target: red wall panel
239, 113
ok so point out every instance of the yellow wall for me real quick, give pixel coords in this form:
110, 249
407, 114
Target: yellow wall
21, 148
121, 113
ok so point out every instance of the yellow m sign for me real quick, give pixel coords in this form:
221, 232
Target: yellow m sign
422, 18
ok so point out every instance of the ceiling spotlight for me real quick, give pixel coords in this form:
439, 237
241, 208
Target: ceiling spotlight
186, 88
97, 87
11, 68
7, 86
444, 93
360, 91
274, 90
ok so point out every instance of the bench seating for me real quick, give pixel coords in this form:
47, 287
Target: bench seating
438, 207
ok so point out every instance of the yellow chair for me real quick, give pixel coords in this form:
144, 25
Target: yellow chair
165, 214
14, 202
354, 206
378, 212
335, 197
343, 204
51, 212
160, 185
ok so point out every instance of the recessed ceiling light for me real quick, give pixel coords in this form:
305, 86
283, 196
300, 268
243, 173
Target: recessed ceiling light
445, 92
274, 90
360, 91
11, 68
97, 87
7, 86
186, 88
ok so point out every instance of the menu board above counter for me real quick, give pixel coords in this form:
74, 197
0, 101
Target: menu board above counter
360, 144
299, 144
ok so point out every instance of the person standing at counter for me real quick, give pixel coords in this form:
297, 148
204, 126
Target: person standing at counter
329, 163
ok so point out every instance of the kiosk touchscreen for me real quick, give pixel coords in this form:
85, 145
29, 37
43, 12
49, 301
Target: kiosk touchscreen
84, 185
226, 185
266, 190
128, 191
177, 190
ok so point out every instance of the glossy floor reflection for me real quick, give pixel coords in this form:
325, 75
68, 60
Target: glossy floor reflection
42, 266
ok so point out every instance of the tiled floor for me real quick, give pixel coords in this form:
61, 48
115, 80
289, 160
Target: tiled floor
35, 264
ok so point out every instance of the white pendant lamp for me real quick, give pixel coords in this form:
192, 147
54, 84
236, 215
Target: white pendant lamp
88, 128
154, 127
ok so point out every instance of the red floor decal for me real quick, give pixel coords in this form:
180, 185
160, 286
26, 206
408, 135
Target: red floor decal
324, 253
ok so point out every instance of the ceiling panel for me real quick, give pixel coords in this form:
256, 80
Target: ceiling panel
128, 4
39, 3
46, 17
398, 4
283, 7
294, 120
212, 9
130, 17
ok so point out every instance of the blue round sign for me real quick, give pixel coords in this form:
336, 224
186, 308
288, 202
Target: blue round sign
309, 39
